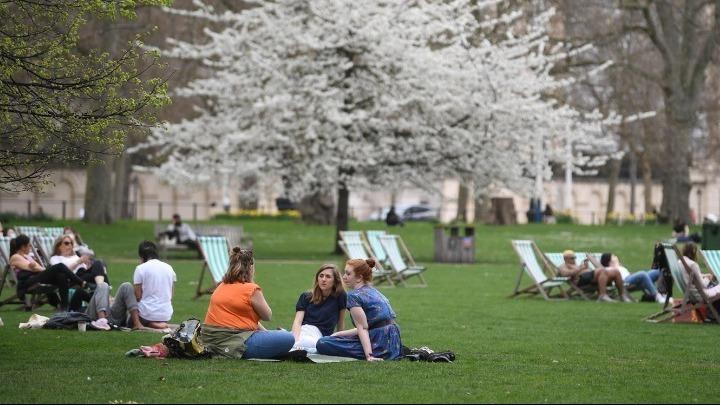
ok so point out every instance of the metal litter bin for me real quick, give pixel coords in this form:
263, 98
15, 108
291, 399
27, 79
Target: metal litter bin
454, 246
711, 236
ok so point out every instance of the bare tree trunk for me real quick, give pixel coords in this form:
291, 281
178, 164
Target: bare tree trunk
99, 193
612, 185
341, 224
122, 187
483, 212
317, 209
680, 115
647, 182
463, 195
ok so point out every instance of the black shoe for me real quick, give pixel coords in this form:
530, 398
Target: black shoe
296, 355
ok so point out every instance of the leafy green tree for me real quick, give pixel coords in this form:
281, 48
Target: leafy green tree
59, 106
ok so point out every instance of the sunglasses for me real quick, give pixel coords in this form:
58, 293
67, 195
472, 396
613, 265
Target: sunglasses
67, 242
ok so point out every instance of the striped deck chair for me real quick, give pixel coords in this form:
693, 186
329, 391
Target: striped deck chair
30, 231
402, 270
677, 265
535, 265
9, 278
44, 247
54, 231
376, 248
356, 249
557, 259
35, 294
216, 260
711, 258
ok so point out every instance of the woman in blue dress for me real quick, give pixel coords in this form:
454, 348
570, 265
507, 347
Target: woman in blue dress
376, 336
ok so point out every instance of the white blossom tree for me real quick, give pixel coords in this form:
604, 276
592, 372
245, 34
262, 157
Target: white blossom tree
333, 94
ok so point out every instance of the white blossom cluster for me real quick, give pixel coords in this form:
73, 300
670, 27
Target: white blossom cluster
368, 93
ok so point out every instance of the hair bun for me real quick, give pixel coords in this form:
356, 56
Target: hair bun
370, 262
236, 250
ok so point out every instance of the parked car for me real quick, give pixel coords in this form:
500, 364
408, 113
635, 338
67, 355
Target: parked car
419, 213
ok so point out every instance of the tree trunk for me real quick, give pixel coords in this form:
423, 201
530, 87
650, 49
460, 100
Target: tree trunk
122, 187
249, 202
647, 182
341, 224
483, 210
463, 195
680, 116
317, 209
99, 192
612, 185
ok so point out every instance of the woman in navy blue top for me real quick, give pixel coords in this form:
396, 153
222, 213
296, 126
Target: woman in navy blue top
321, 311
376, 336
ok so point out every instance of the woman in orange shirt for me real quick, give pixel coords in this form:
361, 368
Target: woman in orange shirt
232, 325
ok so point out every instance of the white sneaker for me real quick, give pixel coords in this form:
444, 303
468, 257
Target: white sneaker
660, 298
605, 298
627, 298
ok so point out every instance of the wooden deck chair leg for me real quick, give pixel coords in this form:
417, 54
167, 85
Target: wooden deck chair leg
517, 284
199, 291
422, 280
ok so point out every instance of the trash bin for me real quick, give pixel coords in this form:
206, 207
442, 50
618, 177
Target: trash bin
454, 246
711, 236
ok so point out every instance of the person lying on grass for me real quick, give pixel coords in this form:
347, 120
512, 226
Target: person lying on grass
600, 277
232, 326
320, 311
376, 336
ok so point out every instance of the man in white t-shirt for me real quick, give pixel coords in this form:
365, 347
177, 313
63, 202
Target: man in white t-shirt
154, 283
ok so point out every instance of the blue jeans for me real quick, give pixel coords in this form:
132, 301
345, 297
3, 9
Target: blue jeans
268, 344
644, 280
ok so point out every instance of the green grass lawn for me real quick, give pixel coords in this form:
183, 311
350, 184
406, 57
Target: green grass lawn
508, 350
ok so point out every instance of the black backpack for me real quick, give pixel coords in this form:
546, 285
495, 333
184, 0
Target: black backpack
66, 320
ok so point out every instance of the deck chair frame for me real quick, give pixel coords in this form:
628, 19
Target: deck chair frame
352, 251
711, 260
686, 306
215, 261
546, 279
376, 248
403, 268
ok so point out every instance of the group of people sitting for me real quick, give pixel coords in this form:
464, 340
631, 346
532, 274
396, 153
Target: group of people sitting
233, 327
611, 271
146, 303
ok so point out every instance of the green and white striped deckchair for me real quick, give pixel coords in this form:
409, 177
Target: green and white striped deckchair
373, 238
34, 296
402, 270
557, 258
44, 246
534, 265
677, 265
29, 231
216, 254
8, 277
356, 249
351, 236
712, 261
54, 231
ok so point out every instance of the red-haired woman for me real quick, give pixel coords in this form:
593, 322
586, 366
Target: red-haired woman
321, 311
376, 336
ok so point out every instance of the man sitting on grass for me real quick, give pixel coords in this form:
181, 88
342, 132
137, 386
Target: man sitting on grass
154, 283
145, 304
601, 277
